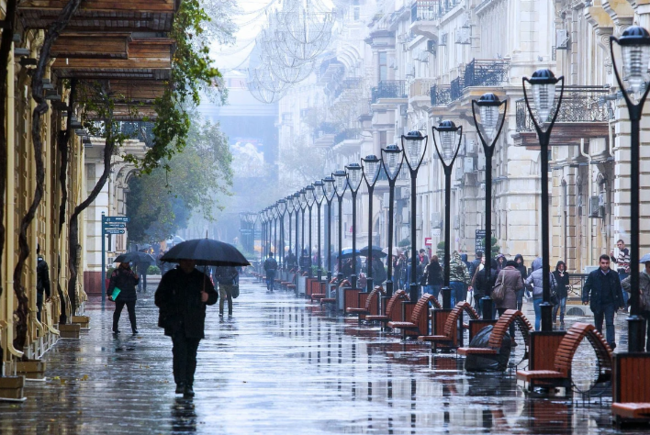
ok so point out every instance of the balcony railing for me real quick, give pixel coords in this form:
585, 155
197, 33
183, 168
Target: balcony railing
579, 104
456, 88
481, 72
389, 89
426, 10
440, 95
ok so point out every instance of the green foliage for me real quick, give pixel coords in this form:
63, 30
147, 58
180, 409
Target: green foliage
153, 270
494, 248
162, 201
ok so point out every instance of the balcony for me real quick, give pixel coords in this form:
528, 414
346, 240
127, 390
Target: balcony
420, 92
583, 114
487, 72
440, 95
424, 13
456, 88
350, 133
389, 89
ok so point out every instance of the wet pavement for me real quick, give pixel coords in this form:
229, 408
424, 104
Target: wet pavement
281, 366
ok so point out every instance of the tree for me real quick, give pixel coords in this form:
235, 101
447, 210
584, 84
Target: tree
194, 180
301, 164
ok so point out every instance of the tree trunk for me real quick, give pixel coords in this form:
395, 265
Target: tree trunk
73, 236
53, 32
63, 141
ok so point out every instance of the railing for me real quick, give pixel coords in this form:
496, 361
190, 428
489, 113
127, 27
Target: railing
486, 72
440, 95
140, 130
420, 87
389, 89
456, 89
579, 104
426, 10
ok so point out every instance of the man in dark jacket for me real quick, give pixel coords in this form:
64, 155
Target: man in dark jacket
602, 291
182, 296
270, 266
42, 281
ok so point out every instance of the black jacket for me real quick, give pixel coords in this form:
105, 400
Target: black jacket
42, 277
562, 288
434, 274
592, 292
126, 280
179, 299
480, 284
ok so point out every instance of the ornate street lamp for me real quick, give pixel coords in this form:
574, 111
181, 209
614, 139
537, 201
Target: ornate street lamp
488, 125
635, 51
282, 208
263, 246
290, 208
303, 207
414, 146
340, 184
355, 175
319, 194
450, 138
371, 166
543, 83
296, 206
391, 159
310, 198
329, 190
274, 217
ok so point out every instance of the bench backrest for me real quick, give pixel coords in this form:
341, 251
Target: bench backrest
451, 325
503, 324
373, 297
570, 343
421, 308
398, 295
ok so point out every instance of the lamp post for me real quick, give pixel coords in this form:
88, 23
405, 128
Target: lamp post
274, 216
329, 190
448, 132
310, 198
282, 208
319, 194
296, 206
302, 197
262, 215
543, 83
488, 128
355, 175
370, 166
635, 51
340, 184
391, 159
289, 202
413, 154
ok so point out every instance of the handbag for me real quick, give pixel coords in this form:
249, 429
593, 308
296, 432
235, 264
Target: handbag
498, 291
234, 291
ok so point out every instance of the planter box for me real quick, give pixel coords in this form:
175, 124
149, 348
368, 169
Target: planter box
11, 387
83, 321
69, 331
31, 369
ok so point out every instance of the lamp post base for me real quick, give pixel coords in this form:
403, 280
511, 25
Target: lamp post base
389, 289
320, 274
353, 280
446, 297
487, 310
329, 276
636, 334
369, 284
547, 316
414, 292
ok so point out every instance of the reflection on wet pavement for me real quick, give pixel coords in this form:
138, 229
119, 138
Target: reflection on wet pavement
282, 366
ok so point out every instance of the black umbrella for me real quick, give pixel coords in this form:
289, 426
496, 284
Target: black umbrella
206, 252
376, 252
135, 257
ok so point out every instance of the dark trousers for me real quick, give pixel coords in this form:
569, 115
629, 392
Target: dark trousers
184, 351
606, 313
512, 325
130, 306
39, 305
142, 284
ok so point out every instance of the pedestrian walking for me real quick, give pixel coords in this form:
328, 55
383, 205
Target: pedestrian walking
142, 267
270, 267
182, 296
482, 287
602, 292
124, 279
433, 275
511, 282
305, 261
226, 277
458, 278
501, 262
562, 292
290, 260
521, 267
474, 265
622, 261
423, 262
42, 281
644, 296
535, 283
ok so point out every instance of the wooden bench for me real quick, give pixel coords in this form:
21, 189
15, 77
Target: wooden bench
501, 327
419, 323
393, 310
370, 302
560, 376
449, 337
631, 388
291, 280
320, 292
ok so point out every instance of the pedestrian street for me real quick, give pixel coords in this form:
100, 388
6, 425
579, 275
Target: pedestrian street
280, 365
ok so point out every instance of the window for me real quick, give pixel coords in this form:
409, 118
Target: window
383, 66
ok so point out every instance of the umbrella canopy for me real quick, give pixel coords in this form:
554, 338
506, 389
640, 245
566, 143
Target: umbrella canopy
206, 252
377, 252
645, 258
347, 253
135, 257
